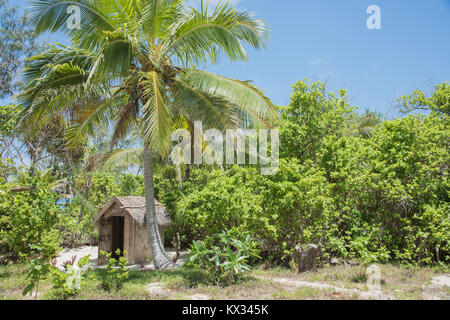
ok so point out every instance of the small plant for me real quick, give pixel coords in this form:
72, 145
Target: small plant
224, 256
67, 283
39, 267
116, 271
70, 262
39, 270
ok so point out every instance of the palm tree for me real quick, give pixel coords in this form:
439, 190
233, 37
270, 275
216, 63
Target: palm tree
133, 62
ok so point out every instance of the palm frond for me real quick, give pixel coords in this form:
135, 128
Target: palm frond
213, 110
127, 117
199, 36
117, 55
157, 16
48, 75
242, 94
92, 119
362, 125
55, 15
123, 159
156, 121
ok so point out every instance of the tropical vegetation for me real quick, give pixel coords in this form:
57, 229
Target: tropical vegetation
133, 63
94, 119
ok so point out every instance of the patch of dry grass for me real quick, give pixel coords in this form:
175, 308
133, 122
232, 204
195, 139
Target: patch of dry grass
12, 281
401, 282
398, 282
308, 293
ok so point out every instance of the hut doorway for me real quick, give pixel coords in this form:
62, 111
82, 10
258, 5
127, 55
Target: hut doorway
118, 224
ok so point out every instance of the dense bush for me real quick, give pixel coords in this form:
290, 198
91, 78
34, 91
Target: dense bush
313, 114
291, 207
392, 190
29, 221
105, 185
299, 205
381, 196
225, 202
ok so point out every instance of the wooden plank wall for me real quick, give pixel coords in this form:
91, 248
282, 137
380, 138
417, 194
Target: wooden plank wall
104, 238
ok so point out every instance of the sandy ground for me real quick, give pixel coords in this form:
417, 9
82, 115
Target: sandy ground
68, 254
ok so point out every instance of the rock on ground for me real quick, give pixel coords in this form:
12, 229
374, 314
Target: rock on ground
307, 257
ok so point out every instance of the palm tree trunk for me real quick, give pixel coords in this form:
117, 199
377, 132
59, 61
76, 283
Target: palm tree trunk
159, 256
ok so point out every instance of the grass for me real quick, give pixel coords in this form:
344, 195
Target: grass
308, 293
399, 281
184, 283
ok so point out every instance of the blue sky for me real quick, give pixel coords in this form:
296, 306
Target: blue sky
328, 40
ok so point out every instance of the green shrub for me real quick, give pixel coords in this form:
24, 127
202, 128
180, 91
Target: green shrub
104, 187
280, 211
40, 267
223, 204
391, 191
116, 271
39, 270
225, 256
312, 114
68, 283
29, 219
131, 185
377, 197
298, 205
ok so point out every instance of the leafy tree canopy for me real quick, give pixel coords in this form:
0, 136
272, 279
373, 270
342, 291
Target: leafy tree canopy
439, 101
17, 42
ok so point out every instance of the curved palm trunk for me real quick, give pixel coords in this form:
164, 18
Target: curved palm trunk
159, 256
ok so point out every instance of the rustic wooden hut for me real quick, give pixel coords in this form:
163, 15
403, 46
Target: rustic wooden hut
121, 224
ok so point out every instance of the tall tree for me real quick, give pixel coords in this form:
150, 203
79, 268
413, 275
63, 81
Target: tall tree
134, 62
17, 42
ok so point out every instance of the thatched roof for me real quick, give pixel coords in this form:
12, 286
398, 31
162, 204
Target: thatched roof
135, 207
